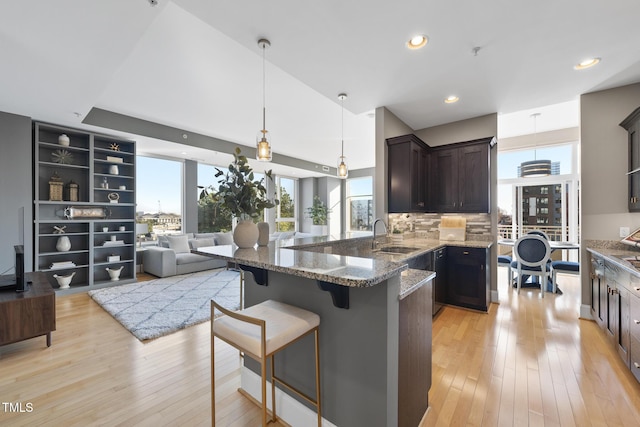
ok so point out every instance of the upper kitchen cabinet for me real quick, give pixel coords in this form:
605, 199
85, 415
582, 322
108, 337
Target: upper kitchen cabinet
407, 187
632, 125
459, 177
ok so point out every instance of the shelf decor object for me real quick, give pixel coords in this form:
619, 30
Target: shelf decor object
64, 280
72, 191
55, 188
63, 140
75, 212
113, 197
62, 157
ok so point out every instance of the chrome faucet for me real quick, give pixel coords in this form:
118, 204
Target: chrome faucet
386, 232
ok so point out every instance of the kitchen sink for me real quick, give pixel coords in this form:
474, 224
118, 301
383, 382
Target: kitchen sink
397, 249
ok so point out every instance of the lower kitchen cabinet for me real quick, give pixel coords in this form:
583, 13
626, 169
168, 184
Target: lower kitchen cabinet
440, 282
468, 283
615, 306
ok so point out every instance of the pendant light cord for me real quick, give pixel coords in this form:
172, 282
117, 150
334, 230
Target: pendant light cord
264, 89
342, 128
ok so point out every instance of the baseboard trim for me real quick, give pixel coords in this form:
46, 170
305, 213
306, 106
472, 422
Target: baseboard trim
585, 312
289, 410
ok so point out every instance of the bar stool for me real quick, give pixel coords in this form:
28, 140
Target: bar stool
260, 331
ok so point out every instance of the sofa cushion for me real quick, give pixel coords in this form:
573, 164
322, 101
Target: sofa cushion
180, 243
199, 243
189, 258
204, 235
224, 238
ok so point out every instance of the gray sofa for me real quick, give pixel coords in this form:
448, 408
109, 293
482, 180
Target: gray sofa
173, 254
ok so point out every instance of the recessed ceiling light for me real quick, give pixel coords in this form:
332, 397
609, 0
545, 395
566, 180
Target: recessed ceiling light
418, 41
587, 63
451, 99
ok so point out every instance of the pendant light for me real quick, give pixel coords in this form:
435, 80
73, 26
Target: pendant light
343, 170
535, 168
263, 144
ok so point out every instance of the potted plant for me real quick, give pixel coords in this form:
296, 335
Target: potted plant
396, 235
319, 213
244, 197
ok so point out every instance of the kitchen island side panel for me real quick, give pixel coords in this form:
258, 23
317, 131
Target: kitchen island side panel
358, 348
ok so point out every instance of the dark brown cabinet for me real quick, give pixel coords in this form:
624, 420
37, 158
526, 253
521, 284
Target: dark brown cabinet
598, 290
407, 184
440, 281
468, 277
617, 314
632, 125
459, 177
28, 314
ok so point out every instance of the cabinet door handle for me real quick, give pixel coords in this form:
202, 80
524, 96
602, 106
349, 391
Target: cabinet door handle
636, 365
465, 253
461, 203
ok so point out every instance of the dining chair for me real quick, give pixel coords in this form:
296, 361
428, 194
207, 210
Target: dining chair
532, 253
539, 233
505, 261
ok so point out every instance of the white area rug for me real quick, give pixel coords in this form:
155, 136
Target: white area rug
159, 307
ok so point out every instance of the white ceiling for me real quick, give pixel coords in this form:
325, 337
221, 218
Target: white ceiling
196, 65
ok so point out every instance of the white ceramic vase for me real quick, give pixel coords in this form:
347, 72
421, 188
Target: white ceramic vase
246, 234
319, 230
263, 233
63, 244
64, 281
114, 273
113, 170
63, 140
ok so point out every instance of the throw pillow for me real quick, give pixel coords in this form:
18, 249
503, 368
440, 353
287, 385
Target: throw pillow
180, 244
224, 238
204, 235
200, 243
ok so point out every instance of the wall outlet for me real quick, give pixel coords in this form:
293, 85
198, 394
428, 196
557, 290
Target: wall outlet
624, 231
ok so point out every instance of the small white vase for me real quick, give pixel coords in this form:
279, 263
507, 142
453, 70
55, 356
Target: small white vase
64, 281
113, 170
246, 234
263, 233
63, 244
114, 273
319, 230
63, 140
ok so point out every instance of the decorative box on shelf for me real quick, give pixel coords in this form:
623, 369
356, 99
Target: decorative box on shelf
113, 258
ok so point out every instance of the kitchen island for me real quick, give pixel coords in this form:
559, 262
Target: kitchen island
362, 314
375, 329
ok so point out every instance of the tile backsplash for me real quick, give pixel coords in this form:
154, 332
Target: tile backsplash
426, 225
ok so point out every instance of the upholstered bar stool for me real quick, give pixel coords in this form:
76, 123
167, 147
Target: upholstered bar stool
260, 331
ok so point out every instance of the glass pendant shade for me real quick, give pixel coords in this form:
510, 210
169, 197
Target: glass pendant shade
263, 146
343, 170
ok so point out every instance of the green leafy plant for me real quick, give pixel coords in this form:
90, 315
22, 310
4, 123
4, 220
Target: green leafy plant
396, 230
239, 192
318, 212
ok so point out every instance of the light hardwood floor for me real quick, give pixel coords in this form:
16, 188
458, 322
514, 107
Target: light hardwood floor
527, 362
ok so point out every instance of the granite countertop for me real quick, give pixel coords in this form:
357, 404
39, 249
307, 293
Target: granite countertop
411, 280
628, 259
346, 262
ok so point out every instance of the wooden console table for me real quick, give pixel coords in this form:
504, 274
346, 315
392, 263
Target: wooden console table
28, 314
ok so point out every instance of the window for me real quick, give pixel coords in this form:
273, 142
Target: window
211, 217
286, 211
359, 194
159, 195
